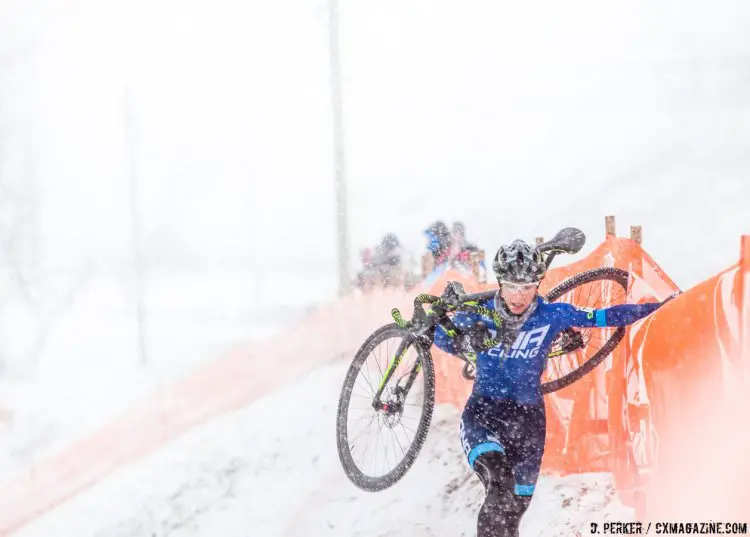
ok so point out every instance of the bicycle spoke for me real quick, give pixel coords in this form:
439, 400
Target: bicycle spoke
380, 437
403, 451
388, 359
588, 301
356, 384
377, 362
394, 443
412, 430
369, 424
366, 377
406, 434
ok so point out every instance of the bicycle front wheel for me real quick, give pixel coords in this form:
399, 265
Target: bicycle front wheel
378, 439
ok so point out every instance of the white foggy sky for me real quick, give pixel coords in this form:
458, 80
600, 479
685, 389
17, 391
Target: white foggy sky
487, 111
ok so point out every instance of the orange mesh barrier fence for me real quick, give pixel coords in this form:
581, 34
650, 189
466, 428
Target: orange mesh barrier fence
678, 373
690, 418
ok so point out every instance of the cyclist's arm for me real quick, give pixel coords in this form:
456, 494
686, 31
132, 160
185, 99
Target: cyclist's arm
448, 340
620, 315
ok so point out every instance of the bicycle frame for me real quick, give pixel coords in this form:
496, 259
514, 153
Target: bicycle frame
420, 321
469, 302
398, 356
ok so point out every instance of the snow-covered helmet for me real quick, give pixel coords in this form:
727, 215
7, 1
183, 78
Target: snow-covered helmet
519, 262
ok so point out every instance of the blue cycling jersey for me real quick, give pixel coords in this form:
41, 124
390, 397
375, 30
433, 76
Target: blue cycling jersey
513, 371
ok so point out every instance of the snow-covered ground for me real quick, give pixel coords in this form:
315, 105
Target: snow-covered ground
272, 470
89, 368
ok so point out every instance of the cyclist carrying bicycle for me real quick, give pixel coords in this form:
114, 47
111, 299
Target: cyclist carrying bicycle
503, 424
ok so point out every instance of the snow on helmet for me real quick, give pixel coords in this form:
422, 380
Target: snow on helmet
519, 262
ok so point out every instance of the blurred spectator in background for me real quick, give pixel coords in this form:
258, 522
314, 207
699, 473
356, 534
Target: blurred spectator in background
438, 242
384, 266
461, 249
437, 258
366, 277
450, 249
388, 261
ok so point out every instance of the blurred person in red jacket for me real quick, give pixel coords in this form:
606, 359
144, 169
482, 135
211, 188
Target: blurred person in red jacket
366, 277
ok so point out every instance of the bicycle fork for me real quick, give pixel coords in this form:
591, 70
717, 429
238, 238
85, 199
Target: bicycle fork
401, 392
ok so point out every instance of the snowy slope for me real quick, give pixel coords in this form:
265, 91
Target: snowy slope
89, 369
271, 470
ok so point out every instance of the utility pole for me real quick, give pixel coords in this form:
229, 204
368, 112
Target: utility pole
135, 223
342, 231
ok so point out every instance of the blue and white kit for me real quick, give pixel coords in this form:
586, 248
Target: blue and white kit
505, 411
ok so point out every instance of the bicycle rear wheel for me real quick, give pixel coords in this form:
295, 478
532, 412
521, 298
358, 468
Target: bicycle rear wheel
394, 430
596, 288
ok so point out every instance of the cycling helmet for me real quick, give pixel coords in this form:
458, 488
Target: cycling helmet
519, 262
